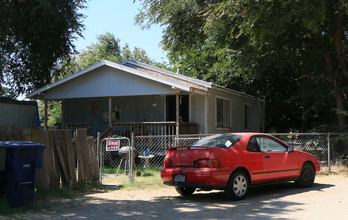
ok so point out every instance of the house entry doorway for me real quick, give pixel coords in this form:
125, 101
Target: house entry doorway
183, 108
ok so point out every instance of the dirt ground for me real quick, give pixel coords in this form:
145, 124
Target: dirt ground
327, 199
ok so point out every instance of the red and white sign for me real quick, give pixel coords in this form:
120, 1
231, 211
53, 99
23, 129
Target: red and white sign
113, 145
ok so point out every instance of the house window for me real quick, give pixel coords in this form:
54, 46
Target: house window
247, 117
223, 113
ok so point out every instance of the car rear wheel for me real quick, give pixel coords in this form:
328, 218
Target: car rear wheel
238, 186
185, 191
307, 176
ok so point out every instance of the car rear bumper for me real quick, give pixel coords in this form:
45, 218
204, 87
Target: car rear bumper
196, 177
195, 185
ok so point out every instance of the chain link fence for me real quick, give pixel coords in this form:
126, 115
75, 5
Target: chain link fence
329, 148
115, 160
144, 160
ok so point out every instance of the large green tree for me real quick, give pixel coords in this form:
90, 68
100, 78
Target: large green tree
35, 36
292, 53
108, 47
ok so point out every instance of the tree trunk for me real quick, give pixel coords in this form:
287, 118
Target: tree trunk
337, 94
304, 123
339, 45
341, 72
340, 108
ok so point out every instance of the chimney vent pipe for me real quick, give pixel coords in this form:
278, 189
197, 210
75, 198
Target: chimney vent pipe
178, 69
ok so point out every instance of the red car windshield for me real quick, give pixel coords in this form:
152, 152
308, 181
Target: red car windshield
219, 140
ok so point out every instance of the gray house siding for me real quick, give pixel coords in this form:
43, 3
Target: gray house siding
237, 118
22, 114
84, 111
140, 108
106, 81
198, 111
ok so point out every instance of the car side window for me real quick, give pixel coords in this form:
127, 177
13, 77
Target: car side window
269, 145
253, 146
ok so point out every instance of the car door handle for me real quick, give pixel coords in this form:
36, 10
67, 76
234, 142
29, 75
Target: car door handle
266, 156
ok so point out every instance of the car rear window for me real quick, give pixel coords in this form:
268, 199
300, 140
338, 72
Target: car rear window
219, 140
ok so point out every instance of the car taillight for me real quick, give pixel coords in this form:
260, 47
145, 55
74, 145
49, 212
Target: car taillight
167, 163
207, 163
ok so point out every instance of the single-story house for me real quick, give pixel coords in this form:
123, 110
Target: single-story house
133, 96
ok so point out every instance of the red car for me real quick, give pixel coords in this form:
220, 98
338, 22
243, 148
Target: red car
234, 162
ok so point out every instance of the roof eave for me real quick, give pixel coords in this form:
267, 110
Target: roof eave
68, 78
236, 92
36, 94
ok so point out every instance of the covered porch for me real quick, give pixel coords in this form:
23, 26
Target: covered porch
141, 115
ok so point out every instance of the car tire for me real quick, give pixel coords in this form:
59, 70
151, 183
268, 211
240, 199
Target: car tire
238, 186
307, 176
185, 191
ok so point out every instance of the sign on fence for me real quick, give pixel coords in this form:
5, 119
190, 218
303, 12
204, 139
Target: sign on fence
113, 145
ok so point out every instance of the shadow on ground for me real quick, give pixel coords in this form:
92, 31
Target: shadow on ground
262, 203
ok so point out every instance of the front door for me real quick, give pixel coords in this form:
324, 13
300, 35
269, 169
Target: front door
183, 108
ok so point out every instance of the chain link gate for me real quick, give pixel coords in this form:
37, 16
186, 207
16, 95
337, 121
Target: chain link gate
115, 160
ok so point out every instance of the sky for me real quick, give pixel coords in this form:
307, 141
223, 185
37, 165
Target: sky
118, 17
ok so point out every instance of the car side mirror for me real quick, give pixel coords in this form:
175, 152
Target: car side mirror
290, 149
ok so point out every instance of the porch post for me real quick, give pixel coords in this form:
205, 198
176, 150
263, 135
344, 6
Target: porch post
206, 107
46, 106
110, 112
177, 120
63, 119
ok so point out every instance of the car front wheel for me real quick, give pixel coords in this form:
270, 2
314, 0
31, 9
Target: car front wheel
238, 186
307, 176
185, 191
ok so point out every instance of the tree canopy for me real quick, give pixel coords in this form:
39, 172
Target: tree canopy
35, 37
291, 53
108, 48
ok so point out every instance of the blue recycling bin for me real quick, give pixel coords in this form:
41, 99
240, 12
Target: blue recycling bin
18, 178
2, 157
2, 160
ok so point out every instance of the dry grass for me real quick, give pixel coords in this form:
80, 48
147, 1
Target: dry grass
147, 180
334, 170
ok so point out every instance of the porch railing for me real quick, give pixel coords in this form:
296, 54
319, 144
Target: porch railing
152, 128
74, 126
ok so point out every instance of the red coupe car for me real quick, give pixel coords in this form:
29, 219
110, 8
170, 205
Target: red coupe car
234, 162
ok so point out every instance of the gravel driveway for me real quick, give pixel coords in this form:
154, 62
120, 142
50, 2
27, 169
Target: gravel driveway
327, 199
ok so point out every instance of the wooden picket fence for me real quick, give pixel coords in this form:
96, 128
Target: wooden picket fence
67, 161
